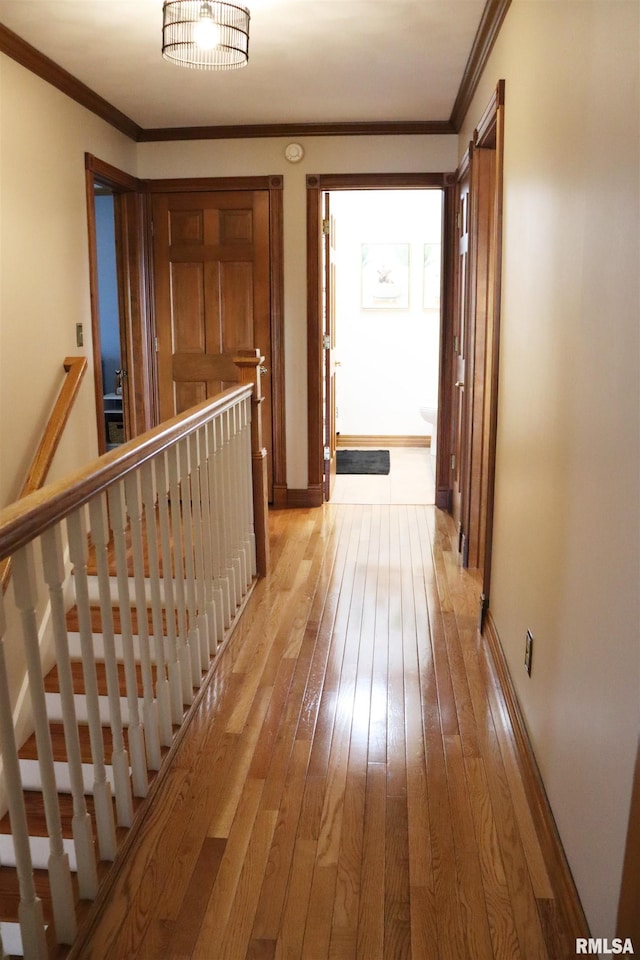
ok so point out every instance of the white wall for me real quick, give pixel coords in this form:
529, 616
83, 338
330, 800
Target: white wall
567, 518
217, 158
388, 354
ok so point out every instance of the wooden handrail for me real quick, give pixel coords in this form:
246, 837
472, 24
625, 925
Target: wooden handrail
25, 519
75, 368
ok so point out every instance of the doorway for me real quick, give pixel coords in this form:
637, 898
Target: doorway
120, 328
319, 338
383, 268
109, 317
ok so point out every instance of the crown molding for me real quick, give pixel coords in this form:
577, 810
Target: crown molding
494, 13
27, 56
256, 130
492, 18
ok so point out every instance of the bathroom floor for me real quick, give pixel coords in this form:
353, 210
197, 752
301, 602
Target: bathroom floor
411, 480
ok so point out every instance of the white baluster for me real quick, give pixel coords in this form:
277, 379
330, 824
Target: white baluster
175, 682
247, 466
211, 530
30, 912
240, 510
196, 642
58, 864
54, 574
184, 651
204, 585
136, 734
149, 708
231, 560
163, 689
119, 755
78, 550
236, 485
217, 507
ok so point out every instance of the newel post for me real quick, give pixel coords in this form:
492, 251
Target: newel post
249, 363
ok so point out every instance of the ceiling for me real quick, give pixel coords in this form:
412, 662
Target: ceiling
310, 61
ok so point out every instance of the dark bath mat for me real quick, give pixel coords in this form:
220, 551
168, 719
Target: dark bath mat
363, 461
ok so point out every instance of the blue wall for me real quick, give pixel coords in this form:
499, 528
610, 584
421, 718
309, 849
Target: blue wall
107, 290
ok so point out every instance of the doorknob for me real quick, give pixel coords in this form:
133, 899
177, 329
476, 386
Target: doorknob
459, 383
263, 370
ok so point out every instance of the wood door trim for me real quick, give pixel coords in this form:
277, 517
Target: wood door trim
133, 290
111, 175
212, 184
495, 130
489, 135
316, 184
379, 181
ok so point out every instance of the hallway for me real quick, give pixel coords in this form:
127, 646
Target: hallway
349, 786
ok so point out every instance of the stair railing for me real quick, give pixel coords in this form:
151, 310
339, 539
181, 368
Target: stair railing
157, 544
74, 369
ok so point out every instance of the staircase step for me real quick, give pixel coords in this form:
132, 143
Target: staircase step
52, 680
54, 708
36, 820
96, 619
31, 780
12, 939
29, 750
10, 893
39, 847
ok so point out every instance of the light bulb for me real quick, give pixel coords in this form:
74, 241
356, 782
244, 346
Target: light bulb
206, 32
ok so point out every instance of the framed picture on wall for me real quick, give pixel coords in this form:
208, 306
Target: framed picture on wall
431, 276
385, 276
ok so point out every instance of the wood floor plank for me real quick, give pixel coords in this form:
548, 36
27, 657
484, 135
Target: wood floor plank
294, 918
504, 935
348, 788
219, 908
233, 941
469, 878
370, 939
273, 893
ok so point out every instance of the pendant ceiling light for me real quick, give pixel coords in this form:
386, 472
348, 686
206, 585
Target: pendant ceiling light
209, 35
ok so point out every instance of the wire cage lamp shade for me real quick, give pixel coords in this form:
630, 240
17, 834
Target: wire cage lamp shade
205, 34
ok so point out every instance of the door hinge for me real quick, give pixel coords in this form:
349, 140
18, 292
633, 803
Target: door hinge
326, 341
327, 454
155, 343
456, 344
453, 461
326, 227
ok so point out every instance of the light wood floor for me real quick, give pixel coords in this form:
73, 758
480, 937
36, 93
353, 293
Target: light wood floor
411, 479
348, 787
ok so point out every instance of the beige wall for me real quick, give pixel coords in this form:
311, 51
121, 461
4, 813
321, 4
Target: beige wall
567, 520
44, 281
44, 277
322, 155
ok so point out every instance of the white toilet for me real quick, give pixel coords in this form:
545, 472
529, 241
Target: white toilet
429, 414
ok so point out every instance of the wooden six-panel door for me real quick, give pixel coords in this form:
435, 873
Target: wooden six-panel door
211, 293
